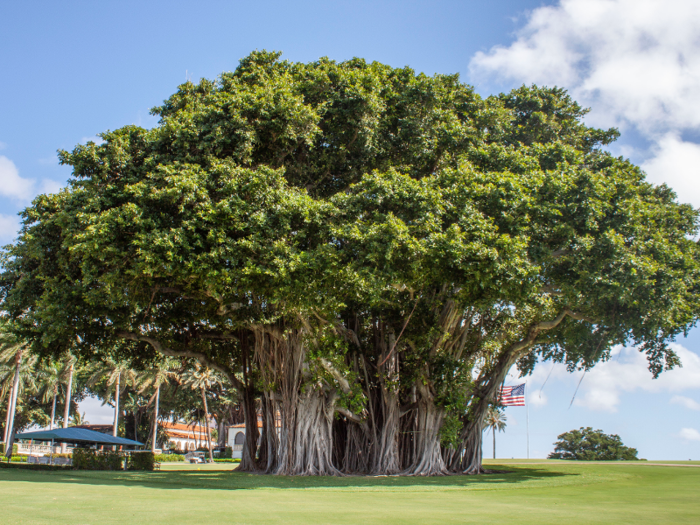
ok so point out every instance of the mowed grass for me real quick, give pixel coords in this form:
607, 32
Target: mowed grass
538, 491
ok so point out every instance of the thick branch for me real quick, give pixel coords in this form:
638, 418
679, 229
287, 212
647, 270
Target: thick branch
202, 358
349, 415
344, 385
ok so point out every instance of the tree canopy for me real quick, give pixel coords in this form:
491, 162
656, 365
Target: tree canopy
587, 444
362, 251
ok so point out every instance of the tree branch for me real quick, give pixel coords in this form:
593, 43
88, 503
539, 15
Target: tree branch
344, 385
202, 358
349, 415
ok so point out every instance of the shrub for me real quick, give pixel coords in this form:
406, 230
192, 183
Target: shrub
141, 460
2, 448
90, 459
30, 466
226, 460
227, 454
169, 457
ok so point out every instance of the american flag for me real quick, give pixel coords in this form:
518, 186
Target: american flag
513, 396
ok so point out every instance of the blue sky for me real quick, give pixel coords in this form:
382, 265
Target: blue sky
73, 69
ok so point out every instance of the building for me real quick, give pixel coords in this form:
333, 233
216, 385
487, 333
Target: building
236, 438
184, 437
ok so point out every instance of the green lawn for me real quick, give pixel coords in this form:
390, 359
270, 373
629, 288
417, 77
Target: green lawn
538, 491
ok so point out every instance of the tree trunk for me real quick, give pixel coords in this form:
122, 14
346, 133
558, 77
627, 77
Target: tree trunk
269, 440
427, 457
137, 419
250, 446
206, 423
66, 409
53, 408
12, 405
493, 429
469, 460
250, 415
155, 421
388, 459
7, 415
313, 435
115, 426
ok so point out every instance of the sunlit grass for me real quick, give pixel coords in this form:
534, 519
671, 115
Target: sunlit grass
537, 491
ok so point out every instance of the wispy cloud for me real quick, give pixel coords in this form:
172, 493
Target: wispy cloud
11, 184
635, 62
96, 140
22, 189
49, 161
603, 386
537, 399
689, 434
688, 403
9, 226
50, 186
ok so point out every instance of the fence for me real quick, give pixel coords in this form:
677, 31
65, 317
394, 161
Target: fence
23, 448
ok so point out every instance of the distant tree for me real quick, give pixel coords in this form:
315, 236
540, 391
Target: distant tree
111, 373
155, 378
79, 419
587, 444
203, 379
495, 420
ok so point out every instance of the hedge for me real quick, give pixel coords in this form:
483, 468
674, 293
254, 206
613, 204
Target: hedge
140, 460
2, 448
226, 460
31, 466
164, 458
90, 459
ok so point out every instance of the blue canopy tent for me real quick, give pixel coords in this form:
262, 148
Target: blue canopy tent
77, 436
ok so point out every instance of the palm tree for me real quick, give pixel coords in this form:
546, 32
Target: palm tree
20, 370
50, 377
70, 364
496, 420
203, 379
155, 378
116, 374
79, 420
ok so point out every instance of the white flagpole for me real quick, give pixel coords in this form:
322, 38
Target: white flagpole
527, 423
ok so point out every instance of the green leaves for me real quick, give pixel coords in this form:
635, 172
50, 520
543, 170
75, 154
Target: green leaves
587, 444
438, 233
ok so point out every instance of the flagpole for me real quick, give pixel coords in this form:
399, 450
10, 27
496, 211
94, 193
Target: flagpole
527, 424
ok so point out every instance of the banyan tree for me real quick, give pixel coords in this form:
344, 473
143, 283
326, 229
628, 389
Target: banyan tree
364, 252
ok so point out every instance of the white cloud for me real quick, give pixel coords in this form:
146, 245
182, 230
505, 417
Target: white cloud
49, 161
688, 403
635, 62
677, 163
16, 187
96, 140
50, 186
9, 226
602, 387
537, 399
11, 184
689, 434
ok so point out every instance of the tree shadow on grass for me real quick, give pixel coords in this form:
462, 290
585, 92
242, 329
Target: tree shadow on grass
232, 480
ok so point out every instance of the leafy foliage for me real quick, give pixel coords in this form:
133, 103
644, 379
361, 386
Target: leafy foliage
363, 250
140, 461
587, 444
91, 459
